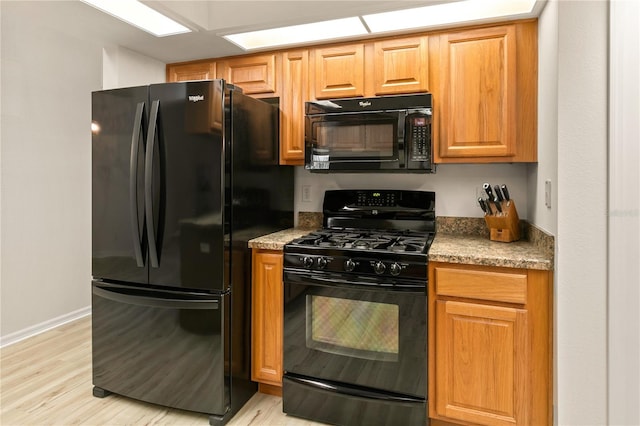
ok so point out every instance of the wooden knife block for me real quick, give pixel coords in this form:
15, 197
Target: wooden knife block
505, 226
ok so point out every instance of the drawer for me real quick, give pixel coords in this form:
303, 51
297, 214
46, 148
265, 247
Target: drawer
484, 285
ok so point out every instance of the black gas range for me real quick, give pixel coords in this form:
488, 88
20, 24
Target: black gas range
384, 234
355, 309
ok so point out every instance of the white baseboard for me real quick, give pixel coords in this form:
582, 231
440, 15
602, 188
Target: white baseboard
17, 336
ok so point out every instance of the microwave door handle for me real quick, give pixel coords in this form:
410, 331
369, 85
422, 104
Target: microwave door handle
402, 148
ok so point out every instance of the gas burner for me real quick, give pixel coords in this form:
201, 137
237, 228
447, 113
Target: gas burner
398, 247
361, 244
329, 243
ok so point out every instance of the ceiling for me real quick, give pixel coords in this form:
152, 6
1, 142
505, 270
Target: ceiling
209, 19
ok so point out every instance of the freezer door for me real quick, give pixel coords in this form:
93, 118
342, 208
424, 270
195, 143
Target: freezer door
118, 136
163, 347
184, 175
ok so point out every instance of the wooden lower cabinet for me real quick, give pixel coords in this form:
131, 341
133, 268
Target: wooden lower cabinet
266, 320
490, 357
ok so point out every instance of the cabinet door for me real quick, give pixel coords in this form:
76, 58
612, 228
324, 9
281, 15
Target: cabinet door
401, 66
267, 313
255, 74
339, 71
295, 68
481, 363
188, 72
478, 93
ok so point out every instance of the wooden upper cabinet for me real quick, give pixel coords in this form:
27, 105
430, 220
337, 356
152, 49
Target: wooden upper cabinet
295, 69
255, 74
191, 71
478, 93
486, 96
400, 66
483, 81
338, 71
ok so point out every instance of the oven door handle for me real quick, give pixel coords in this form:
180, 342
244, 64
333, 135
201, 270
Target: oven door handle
332, 280
333, 387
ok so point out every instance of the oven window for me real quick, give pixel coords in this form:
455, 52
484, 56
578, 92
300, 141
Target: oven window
356, 141
353, 328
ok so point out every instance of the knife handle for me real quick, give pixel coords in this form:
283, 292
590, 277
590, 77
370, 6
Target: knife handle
505, 192
499, 196
483, 205
497, 204
487, 189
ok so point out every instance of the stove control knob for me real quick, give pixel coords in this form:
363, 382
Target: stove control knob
395, 269
379, 267
307, 262
349, 265
322, 262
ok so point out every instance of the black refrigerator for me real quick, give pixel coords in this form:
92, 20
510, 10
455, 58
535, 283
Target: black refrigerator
183, 175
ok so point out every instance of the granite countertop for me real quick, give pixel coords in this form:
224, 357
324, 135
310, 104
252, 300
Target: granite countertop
277, 240
479, 250
307, 222
458, 240
466, 240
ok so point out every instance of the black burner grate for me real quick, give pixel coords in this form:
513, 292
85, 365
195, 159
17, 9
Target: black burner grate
401, 241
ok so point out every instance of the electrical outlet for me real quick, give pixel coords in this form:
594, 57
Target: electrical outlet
306, 193
547, 193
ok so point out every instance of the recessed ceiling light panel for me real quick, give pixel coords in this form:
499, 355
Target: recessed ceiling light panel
446, 13
139, 15
299, 34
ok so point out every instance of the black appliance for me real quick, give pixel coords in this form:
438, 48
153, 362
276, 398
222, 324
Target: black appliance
385, 133
183, 175
355, 311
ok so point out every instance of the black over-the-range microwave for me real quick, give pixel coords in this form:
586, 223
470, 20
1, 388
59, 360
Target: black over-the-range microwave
385, 133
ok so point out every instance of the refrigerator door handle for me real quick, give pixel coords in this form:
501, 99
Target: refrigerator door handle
138, 127
153, 298
148, 184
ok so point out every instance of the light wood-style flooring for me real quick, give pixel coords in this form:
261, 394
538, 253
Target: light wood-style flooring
46, 380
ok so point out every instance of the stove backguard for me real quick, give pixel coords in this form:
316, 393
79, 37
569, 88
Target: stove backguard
379, 209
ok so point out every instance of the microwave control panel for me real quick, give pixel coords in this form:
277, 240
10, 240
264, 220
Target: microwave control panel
419, 137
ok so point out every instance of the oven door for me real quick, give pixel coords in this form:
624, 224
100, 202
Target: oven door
355, 141
356, 332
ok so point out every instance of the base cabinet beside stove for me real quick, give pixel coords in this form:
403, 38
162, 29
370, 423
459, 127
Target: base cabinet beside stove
266, 321
490, 345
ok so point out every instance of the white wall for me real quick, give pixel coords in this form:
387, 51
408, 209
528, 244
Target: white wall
47, 78
581, 244
125, 68
624, 215
457, 186
547, 167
